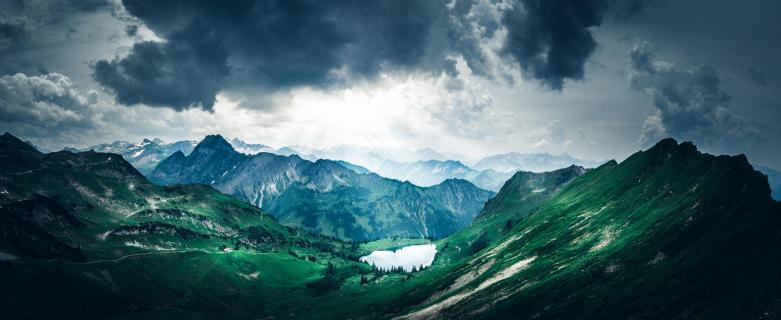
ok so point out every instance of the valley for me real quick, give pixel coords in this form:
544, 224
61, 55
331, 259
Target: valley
104, 241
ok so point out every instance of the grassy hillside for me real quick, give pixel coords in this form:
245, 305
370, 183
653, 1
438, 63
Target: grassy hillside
668, 233
87, 236
518, 198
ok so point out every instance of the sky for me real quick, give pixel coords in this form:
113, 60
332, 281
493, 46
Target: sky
598, 79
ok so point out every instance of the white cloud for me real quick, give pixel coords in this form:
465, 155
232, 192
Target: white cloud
42, 105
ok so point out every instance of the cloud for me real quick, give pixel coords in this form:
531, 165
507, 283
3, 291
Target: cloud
690, 102
43, 106
278, 46
271, 46
131, 30
551, 135
458, 106
187, 70
33, 14
551, 40
50, 110
10, 35
472, 27
626, 9
19, 20
757, 76
393, 110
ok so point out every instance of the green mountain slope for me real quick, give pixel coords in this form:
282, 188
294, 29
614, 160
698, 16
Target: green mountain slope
86, 236
519, 197
527, 190
668, 233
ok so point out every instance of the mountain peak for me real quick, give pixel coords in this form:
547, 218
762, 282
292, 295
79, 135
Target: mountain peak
9, 142
665, 144
177, 155
575, 168
669, 147
213, 142
213, 137
456, 182
329, 166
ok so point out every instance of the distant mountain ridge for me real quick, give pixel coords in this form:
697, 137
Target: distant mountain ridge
144, 156
327, 196
427, 167
533, 162
423, 167
432, 167
250, 148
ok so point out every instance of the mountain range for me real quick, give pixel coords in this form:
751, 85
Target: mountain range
533, 162
144, 155
250, 148
325, 196
423, 167
427, 167
669, 233
431, 172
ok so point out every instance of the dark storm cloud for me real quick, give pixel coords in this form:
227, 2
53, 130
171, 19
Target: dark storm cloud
550, 39
131, 30
272, 44
10, 35
469, 22
278, 45
690, 102
20, 19
187, 70
625, 9
757, 76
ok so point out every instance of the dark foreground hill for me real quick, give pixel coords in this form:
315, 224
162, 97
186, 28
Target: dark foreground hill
84, 235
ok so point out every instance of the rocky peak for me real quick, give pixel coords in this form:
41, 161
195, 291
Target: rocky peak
9, 143
213, 144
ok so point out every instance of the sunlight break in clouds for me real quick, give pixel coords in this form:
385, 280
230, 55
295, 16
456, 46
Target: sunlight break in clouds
391, 113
